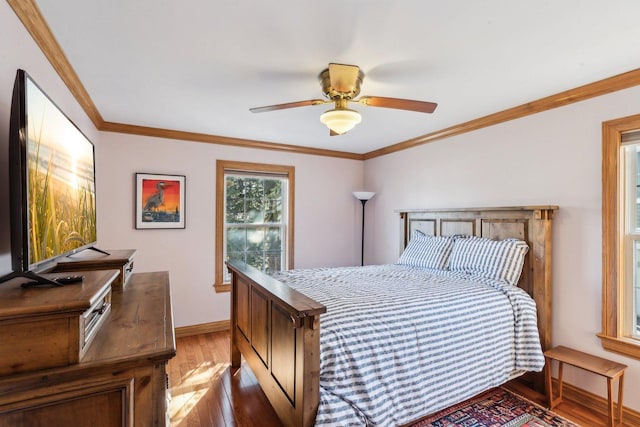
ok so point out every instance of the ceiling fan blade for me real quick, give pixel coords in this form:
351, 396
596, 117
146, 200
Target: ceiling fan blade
400, 104
343, 77
333, 133
287, 105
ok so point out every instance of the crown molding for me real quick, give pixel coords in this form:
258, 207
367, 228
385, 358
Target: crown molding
591, 90
223, 140
28, 12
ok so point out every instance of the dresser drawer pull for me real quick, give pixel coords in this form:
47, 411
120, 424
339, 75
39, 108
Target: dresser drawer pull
101, 309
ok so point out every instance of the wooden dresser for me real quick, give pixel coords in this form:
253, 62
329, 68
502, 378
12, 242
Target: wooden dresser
117, 379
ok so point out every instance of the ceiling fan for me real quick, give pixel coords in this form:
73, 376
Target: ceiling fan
341, 85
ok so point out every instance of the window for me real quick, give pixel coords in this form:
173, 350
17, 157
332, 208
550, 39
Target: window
631, 241
621, 236
254, 217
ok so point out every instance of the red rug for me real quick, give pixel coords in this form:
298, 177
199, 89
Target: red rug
493, 408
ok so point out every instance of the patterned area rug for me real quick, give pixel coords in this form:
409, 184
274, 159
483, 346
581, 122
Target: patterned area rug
493, 408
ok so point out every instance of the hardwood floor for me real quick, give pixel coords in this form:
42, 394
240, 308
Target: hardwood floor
205, 392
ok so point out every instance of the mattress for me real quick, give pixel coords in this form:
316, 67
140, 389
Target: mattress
399, 342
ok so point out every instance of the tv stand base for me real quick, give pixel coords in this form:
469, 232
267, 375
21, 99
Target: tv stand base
93, 248
37, 280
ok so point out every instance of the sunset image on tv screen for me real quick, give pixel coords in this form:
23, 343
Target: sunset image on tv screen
61, 184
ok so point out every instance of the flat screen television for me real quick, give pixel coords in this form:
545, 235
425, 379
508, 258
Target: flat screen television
52, 182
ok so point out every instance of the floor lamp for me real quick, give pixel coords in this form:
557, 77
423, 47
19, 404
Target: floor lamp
363, 196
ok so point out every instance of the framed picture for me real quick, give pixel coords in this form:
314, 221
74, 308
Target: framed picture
160, 201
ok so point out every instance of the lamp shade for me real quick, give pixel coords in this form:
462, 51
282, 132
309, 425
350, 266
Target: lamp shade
340, 120
363, 195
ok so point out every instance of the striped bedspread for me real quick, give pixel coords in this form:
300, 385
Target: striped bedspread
398, 342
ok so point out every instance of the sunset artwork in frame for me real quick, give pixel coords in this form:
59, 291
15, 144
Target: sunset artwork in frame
160, 201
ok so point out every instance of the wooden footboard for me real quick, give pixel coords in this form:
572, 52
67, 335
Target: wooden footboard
277, 330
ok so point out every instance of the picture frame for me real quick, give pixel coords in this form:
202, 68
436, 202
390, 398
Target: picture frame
160, 201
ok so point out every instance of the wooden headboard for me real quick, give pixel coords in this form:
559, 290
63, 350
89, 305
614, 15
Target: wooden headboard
529, 223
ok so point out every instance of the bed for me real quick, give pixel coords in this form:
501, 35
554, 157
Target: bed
276, 325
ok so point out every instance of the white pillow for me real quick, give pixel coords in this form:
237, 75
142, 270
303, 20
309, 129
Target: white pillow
494, 259
427, 251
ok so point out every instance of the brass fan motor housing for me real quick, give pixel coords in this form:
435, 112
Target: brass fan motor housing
334, 94
341, 85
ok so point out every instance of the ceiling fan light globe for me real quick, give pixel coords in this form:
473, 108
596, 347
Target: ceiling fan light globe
340, 120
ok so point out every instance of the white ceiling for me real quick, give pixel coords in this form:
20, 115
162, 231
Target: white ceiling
199, 65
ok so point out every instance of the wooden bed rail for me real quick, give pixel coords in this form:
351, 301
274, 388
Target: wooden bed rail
277, 330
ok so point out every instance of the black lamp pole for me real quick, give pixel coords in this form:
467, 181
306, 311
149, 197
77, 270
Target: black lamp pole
364, 197
362, 238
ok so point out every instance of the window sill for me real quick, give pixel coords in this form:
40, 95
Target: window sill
222, 288
625, 346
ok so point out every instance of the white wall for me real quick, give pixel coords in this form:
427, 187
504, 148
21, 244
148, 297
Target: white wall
549, 158
327, 216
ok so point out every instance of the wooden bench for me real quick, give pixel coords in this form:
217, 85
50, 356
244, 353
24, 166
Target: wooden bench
607, 368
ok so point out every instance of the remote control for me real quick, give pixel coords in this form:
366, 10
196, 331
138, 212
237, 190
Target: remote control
65, 280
